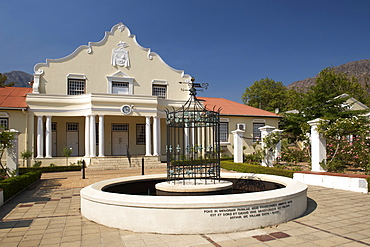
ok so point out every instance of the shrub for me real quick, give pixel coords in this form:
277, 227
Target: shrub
248, 168
13, 185
50, 169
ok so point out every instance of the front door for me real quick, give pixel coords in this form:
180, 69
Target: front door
119, 139
72, 137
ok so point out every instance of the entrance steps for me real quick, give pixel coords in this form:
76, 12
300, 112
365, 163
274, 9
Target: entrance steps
122, 162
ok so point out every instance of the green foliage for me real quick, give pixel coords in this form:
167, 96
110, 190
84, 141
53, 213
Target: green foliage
3, 78
293, 153
265, 94
13, 185
368, 184
66, 152
37, 163
248, 168
46, 169
348, 143
26, 154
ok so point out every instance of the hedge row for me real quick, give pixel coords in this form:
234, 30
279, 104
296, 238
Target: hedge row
45, 169
247, 168
11, 186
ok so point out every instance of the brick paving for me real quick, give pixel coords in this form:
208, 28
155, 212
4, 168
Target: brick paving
48, 214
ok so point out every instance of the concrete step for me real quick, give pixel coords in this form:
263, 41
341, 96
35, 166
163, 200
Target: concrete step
120, 163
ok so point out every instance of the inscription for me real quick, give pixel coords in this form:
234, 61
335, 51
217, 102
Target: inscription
249, 212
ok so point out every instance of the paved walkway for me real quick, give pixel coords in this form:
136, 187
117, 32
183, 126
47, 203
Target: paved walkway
48, 215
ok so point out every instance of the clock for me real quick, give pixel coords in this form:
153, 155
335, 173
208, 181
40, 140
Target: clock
126, 109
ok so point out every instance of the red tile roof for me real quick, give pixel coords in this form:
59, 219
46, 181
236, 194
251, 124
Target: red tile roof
14, 97
229, 107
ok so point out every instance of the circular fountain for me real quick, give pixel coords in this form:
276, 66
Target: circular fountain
133, 209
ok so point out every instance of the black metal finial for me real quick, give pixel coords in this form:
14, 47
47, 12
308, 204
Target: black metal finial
194, 87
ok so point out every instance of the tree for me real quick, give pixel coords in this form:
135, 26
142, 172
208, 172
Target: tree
3, 79
266, 94
66, 152
323, 101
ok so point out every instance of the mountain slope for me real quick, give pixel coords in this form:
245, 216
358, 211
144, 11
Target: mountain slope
20, 78
360, 69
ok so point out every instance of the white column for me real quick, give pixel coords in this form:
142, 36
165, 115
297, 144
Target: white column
148, 139
267, 160
87, 136
238, 145
92, 137
48, 137
101, 136
318, 146
156, 136
277, 151
186, 136
40, 137
12, 156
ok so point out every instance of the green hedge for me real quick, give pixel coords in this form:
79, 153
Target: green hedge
247, 168
11, 186
49, 169
368, 184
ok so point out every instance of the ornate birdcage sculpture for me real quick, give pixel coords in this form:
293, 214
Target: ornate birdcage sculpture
193, 142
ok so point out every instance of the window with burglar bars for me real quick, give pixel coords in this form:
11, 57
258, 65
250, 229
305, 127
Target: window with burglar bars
224, 133
160, 91
4, 122
76, 87
120, 88
140, 134
72, 127
119, 127
257, 132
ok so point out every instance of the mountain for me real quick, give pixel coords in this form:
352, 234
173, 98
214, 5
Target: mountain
20, 78
360, 69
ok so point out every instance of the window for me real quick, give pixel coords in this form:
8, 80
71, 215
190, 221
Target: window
96, 133
224, 133
160, 91
140, 134
257, 132
76, 87
4, 122
120, 127
120, 87
72, 127
54, 126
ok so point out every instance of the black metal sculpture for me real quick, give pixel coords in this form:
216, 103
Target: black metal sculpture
193, 141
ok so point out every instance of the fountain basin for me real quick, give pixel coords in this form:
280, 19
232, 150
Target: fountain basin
194, 214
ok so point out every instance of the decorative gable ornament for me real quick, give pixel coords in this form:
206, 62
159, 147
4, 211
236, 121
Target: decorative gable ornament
120, 55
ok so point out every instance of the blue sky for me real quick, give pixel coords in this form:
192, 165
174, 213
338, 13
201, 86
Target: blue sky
228, 44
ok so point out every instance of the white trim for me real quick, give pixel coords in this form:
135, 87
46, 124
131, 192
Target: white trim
224, 120
119, 76
159, 82
76, 76
259, 120
4, 114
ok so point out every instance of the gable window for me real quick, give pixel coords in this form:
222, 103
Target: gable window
120, 83
160, 91
140, 134
4, 122
224, 132
76, 87
120, 87
257, 132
